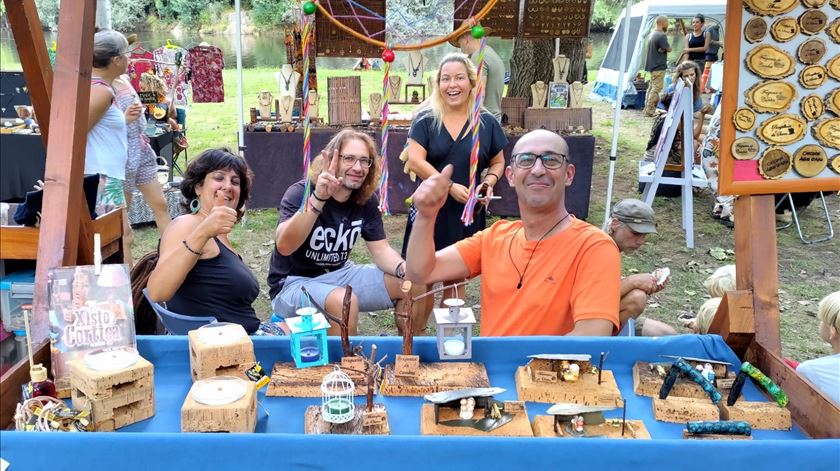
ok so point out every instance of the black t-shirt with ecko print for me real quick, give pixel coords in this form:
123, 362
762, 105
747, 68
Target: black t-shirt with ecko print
328, 245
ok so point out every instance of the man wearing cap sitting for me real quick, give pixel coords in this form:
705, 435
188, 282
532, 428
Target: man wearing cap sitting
493, 73
632, 220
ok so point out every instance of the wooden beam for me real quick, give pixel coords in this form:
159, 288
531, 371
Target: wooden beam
756, 265
735, 321
809, 407
32, 50
14, 378
63, 192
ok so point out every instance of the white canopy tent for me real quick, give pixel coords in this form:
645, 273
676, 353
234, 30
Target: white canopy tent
642, 16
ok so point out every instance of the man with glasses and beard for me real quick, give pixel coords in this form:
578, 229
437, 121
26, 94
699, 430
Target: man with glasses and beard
312, 246
546, 274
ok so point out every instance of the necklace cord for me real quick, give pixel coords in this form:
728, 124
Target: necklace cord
510, 250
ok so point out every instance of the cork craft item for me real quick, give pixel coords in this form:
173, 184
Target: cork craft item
745, 148
814, 3
784, 29
813, 76
774, 96
834, 164
755, 30
812, 107
811, 51
833, 67
782, 129
832, 101
810, 160
813, 22
744, 119
827, 132
770, 62
771, 7
774, 163
834, 30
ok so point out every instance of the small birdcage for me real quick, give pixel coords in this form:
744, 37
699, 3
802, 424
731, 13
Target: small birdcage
454, 330
309, 337
337, 392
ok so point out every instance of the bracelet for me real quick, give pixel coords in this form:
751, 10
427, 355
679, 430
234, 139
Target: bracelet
313, 208
400, 273
491, 173
319, 199
187, 246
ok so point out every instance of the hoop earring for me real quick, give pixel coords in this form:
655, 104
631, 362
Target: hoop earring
195, 205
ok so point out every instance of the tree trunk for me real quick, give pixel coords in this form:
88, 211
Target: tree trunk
530, 63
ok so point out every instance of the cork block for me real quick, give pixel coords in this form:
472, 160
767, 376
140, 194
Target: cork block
634, 429
684, 409
237, 417
761, 415
211, 359
435, 377
364, 423
287, 380
115, 398
648, 382
585, 391
520, 426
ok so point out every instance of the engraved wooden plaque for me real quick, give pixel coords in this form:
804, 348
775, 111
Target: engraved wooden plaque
813, 76
813, 22
827, 131
784, 29
832, 101
556, 18
332, 41
834, 30
374, 418
771, 96
811, 51
809, 160
770, 62
755, 30
503, 19
745, 148
407, 365
771, 7
814, 3
835, 163
744, 119
812, 107
833, 67
542, 376
782, 130
774, 163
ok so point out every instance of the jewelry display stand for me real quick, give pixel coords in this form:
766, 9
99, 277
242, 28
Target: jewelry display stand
395, 87
414, 65
314, 99
575, 95
265, 99
287, 79
375, 107
561, 68
286, 106
539, 93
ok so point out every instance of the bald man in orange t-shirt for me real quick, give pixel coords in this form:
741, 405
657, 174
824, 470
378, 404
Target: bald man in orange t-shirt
547, 274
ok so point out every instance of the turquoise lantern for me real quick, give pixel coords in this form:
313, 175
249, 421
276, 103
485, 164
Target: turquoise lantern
309, 337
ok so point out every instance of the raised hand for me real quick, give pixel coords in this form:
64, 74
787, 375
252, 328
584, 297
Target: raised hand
327, 183
221, 219
431, 194
485, 193
133, 112
459, 193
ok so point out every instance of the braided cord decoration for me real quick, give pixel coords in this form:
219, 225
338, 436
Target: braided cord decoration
383, 180
469, 208
306, 25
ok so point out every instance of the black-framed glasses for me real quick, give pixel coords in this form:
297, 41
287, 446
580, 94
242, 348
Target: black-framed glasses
352, 159
550, 160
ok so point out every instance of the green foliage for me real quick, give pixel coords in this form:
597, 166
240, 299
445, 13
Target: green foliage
187, 12
128, 15
272, 12
605, 15
48, 13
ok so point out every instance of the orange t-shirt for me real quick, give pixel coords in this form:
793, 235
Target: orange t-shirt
574, 275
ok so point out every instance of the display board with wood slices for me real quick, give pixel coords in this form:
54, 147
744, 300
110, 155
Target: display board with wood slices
779, 131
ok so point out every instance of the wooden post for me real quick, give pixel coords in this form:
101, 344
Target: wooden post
735, 321
61, 218
756, 265
29, 39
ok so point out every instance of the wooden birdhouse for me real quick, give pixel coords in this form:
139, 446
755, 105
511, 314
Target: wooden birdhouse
309, 337
454, 330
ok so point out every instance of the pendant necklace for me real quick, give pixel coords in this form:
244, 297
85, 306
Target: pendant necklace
288, 80
414, 70
510, 246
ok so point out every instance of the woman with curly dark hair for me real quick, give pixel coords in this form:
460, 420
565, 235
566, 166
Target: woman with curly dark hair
198, 272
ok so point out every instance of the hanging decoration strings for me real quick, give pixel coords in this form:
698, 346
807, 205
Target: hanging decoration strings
388, 58
469, 208
307, 20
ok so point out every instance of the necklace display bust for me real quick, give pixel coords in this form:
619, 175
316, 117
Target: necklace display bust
265, 99
287, 79
375, 106
561, 68
287, 104
575, 95
313, 100
395, 87
539, 93
414, 65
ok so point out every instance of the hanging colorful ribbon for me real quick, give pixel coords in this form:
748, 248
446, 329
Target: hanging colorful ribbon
307, 20
388, 58
469, 208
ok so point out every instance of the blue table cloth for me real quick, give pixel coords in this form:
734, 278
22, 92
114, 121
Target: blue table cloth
279, 442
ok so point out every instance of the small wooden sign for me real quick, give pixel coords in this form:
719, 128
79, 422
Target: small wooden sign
782, 129
542, 376
148, 98
835, 163
814, 3
784, 29
770, 62
811, 51
812, 107
810, 160
353, 362
772, 96
832, 101
827, 131
744, 119
813, 76
774, 163
771, 7
374, 418
556, 19
755, 30
745, 148
813, 22
407, 365
834, 30
833, 67
514, 407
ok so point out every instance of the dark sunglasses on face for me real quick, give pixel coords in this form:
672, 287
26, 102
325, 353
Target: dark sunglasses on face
550, 160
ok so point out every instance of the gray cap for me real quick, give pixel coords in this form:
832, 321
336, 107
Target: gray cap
636, 214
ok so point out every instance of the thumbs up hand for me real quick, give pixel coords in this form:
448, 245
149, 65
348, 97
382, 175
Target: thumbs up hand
221, 218
431, 194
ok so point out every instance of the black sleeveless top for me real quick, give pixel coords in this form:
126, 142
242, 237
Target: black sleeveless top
697, 41
223, 287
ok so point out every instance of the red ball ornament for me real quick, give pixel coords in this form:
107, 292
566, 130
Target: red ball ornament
388, 55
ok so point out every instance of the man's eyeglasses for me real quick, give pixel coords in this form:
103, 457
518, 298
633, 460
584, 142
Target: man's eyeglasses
550, 160
352, 159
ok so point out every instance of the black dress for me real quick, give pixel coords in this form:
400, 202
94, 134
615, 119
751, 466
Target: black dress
441, 150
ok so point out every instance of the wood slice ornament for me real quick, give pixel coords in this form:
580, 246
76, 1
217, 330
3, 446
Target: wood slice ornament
784, 29
814, 3
773, 96
832, 67
810, 160
834, 30
755, 30
834, 164
832, 101
813, 22
744, 119
812, 107
771, 7
827, 132
813, 76
774, 163
811, 51
745, 148
782, 129
770, 62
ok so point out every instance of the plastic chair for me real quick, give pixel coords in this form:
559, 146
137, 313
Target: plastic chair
629, 329
177, 324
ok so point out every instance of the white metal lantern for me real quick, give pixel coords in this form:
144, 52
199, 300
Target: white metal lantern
337, 392
454, 330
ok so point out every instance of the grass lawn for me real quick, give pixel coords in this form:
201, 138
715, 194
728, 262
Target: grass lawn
806, 272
